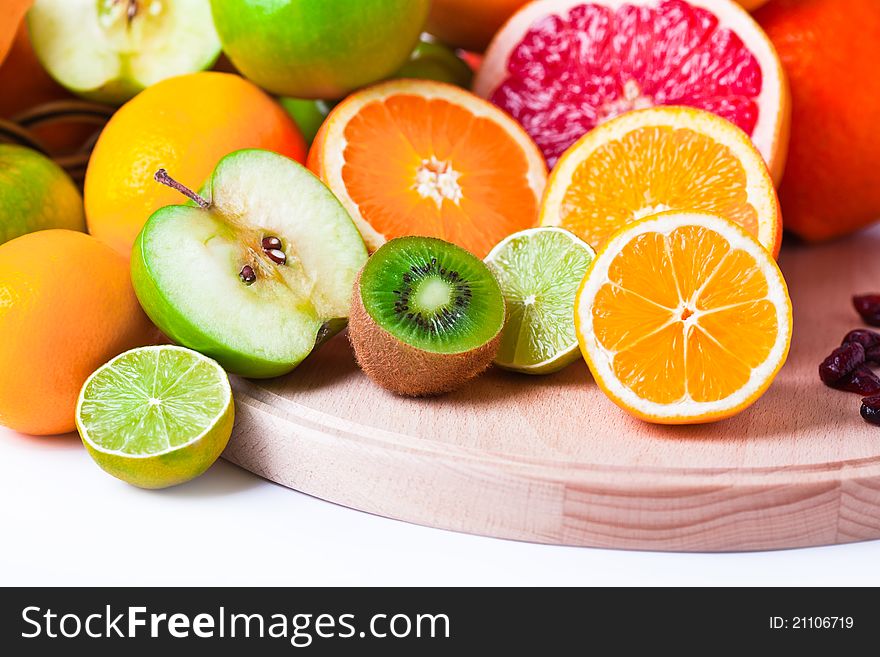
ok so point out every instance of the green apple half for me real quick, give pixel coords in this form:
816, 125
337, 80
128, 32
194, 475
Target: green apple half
109, 50
318, 48
258, 273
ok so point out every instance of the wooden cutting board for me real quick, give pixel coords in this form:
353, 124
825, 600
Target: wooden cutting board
550, 459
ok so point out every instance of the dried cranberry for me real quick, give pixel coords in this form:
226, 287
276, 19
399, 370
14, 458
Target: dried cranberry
842, 361
865, 337
868, 306
871, 409
862, 381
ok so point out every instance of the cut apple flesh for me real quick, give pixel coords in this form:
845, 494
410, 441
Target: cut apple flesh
211, 280
111, 49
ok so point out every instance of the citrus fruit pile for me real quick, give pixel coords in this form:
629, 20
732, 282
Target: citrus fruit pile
462, 184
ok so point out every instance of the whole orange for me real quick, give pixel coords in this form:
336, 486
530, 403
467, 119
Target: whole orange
66, 307
14, 12
830, 50
468, 24
185, 125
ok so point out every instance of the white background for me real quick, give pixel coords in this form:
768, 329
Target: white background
63, 521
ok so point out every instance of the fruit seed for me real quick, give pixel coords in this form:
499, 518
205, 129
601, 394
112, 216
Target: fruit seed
277, 256
270, 242
247, 275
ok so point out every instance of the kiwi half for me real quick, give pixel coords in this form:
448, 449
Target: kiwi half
426, 316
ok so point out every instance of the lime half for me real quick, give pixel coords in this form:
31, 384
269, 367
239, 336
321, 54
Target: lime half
539, 271
156, 416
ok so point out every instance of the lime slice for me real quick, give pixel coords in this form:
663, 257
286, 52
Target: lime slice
156, 416
539, 271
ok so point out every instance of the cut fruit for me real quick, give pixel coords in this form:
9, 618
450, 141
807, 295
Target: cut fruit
257, 275
426, 316
563, 67
418, 157
156, 416
664, 158
109, 50
683, 318
539, 271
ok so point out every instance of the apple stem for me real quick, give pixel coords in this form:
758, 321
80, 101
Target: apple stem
163, 177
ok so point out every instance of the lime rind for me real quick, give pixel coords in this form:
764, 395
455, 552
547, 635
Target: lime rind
539, 271
152, 401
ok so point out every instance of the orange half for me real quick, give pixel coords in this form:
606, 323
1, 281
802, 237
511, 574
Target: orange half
683, 318
416, 157
657, 160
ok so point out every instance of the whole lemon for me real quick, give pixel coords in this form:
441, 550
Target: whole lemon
66, 307
185, 125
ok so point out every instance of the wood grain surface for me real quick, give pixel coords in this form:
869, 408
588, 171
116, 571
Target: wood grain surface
552, 460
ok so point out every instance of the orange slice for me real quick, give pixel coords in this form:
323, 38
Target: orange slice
656, 160
683, 318
416, 157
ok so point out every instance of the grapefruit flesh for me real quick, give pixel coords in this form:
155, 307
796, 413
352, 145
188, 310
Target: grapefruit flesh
562, 67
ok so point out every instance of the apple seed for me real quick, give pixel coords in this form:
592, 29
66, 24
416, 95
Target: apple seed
247, 275
270, 242
277, 256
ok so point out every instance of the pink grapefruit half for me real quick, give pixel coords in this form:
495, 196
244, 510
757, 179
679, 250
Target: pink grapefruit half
562, 67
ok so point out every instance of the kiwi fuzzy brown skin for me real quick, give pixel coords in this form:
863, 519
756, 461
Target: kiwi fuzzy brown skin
405, 370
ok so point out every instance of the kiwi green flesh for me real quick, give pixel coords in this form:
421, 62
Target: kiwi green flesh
432, 295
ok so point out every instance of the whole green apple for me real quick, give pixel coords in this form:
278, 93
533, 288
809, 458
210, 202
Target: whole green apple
35, 194
318, 48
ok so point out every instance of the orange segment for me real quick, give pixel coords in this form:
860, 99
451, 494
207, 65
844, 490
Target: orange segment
713, 372
654, 368
414, 157
656, 160
693, 258
621, 318
683, 317
656, 281
745, 329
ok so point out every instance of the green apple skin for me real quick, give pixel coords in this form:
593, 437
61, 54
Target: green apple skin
337, 234
434, 61
35, 194
318, 48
